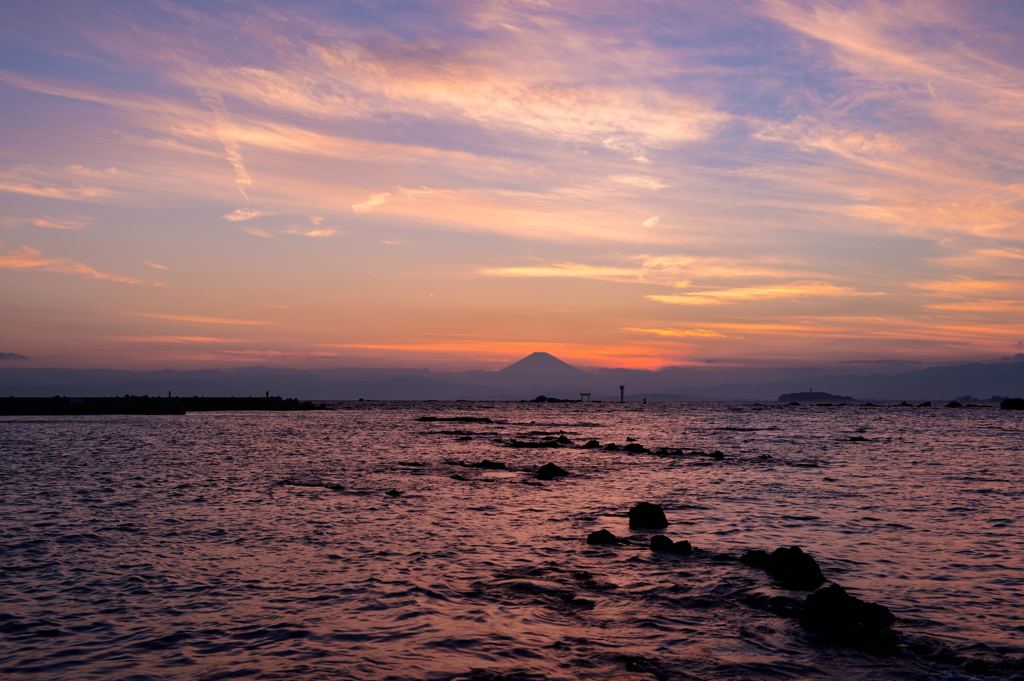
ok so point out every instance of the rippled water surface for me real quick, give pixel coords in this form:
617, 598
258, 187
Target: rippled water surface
264, 545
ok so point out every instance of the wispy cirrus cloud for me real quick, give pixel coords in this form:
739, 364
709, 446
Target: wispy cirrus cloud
242, 214
48, 222
198, 319
31, 259
180, 339
371, 203
574, 270
295, 229
678, 333
802, 289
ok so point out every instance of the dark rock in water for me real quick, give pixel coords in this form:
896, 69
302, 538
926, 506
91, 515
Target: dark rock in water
682, 547
636, 449
723, 557
612, 447
393, 493
549, 471
456, 477
602, 537
660, 542
563, 440
717, 456
459, 419
592, 444
793, 568
758, 559
925, 404
845, 620
955, 405
765, 456
647, 515
523, 444
1015, 404
858, 438
491, 465
904, 403
464, 438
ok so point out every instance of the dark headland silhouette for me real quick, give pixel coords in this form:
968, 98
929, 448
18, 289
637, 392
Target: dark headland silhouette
144, 404
541, 373
811, 396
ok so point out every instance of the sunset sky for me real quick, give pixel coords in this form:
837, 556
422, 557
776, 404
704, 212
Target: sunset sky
456, 185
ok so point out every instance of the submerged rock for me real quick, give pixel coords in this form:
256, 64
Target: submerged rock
1015, 404
647, 515
490, 465
602, 537
636, 449
592, 444
393, 493
846, 620
793, 568
925, 404
563, 440
612, 447
549, 471
955, 405
784, 606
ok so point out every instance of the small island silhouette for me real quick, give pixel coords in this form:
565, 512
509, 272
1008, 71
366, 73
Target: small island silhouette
811, 396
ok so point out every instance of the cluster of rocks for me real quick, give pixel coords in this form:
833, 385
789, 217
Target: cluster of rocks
455, 419
548, 471
716, 455
829, 612
543, 443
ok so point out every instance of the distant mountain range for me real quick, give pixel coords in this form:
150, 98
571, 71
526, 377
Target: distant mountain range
537, 374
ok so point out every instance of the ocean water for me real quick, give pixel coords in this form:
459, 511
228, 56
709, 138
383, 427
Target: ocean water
264, 545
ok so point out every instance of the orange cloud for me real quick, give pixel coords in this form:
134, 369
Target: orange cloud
310, 232
54, 223
737, 295
31, 259
205, 320
240, 214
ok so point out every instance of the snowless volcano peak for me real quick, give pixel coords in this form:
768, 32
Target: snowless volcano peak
540, 362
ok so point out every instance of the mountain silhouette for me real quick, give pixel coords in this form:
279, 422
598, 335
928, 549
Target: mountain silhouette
538, 374
541, 362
